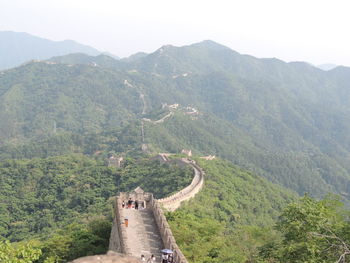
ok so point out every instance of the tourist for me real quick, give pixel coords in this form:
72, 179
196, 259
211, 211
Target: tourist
129, 203
143, 258
123, 204
152, 259
136, 205
165, 258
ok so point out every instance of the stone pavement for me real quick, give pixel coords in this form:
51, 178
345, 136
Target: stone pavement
111, 257
143, 237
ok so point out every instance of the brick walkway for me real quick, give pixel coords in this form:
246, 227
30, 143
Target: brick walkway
143, 236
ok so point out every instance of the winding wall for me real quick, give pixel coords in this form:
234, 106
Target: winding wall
172, 202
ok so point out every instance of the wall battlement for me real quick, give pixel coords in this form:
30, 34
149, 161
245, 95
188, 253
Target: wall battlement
174, 201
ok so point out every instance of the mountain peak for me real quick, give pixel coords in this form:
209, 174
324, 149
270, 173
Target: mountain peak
327, 66
210, 44
164, 48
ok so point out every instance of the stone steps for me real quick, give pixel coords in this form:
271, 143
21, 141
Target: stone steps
142, 234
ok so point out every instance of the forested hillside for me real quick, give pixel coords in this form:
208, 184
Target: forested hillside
286, 121
40, 99
231, 217
41, 194
206, 135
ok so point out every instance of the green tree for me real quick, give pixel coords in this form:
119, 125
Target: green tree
18, 253
313, 231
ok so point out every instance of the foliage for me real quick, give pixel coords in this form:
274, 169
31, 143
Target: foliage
18, 253
313, 231
231, 217
39, 195
125, 140
71, 242
77, 240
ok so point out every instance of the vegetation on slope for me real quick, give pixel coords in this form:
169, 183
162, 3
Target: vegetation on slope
39, 99
291, 120
231, 217
206, 134
63, 201
239, 217
123, 140
312, 231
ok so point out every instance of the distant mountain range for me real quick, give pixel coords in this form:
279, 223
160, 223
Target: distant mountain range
17, 48
289, 122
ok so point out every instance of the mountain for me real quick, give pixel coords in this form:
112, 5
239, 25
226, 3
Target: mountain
135, 57
43, 97
327, 66
17, 48
289, 122
101, 60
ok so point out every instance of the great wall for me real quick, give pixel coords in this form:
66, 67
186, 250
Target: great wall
146, 231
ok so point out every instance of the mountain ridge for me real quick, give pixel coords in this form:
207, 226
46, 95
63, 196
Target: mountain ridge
291, 118
19, 47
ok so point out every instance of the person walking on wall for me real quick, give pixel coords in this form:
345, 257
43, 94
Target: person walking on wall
129, 203
152, 259
165, 258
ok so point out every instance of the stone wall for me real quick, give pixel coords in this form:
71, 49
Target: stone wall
116, 240
165, 231
172, 202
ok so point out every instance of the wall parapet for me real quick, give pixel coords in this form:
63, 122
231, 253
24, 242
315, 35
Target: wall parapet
165, 231
118, 234
172, 202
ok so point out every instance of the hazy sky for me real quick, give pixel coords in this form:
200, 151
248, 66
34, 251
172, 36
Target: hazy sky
303, 30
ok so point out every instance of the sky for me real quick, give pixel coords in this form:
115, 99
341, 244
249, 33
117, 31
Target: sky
297, 30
